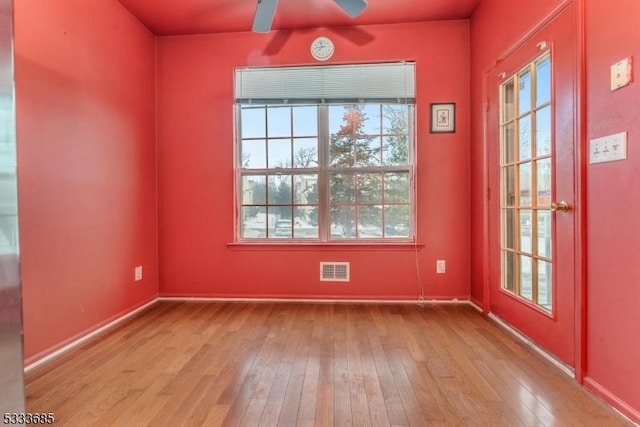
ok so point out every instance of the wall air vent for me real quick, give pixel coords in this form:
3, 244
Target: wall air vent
334, 271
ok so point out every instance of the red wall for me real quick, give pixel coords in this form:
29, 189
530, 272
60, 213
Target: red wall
87, 166
195, 149
613, 327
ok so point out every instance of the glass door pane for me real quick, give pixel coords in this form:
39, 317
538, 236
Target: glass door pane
525, 152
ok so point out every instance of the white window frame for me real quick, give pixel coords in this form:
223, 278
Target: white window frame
324, 170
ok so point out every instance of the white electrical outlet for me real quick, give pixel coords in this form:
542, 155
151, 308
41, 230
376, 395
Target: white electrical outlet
138, 273
441, 266
621, 73
608, 148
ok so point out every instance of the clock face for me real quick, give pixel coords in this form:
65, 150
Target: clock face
322, 48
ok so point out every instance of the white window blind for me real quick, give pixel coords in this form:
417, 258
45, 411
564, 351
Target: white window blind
380, 83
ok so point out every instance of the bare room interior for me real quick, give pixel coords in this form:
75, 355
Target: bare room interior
319, 212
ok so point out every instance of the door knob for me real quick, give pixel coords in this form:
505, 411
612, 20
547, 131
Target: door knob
561, 206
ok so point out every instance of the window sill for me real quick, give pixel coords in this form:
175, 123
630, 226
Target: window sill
314, 246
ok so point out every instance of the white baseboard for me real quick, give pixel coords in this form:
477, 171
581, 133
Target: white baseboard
476, 306
311, 300
541, 351
620, 406
87, 337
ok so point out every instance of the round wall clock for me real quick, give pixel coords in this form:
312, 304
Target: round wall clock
322, 48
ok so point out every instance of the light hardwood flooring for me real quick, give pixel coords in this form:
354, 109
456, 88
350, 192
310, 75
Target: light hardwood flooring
288, 364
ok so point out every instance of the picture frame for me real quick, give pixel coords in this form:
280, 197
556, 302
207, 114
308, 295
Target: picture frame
443, 117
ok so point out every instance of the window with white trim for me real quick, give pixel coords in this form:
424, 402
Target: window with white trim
325, 153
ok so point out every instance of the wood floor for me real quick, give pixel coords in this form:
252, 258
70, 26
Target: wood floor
270, 364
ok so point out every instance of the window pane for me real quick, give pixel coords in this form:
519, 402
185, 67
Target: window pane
396, 187
524, 92
343, 188
305, 121
347, 146
343, 221
543, 131
305, 223
305, 153
305, 189
254, 191
544, 234
509, 233
395, 119
346, 120
525, 184
336, 117
370, 222
395, 150
368, 151
397, 221
509, 270
279, 121
524, 125
254, 223
543, 172
543, 81
395, 146
253, 122
526, 287
342, 152
509, 186
279, 153
508, 100
273, 215
370, 188
283, 225
508, 143
545, 287
279, 190
525, 231
371, 120
254, 154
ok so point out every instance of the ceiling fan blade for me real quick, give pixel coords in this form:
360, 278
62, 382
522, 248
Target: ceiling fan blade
352, 7
263, 18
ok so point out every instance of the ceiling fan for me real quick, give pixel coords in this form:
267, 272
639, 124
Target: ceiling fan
263, 18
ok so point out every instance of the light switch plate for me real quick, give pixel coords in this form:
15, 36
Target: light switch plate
608, 148
621, 73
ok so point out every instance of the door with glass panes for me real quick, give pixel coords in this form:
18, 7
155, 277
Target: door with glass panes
531, 140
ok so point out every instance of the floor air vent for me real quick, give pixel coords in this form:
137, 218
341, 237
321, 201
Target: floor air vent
334, 271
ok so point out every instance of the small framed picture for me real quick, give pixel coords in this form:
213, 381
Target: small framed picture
443, 117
